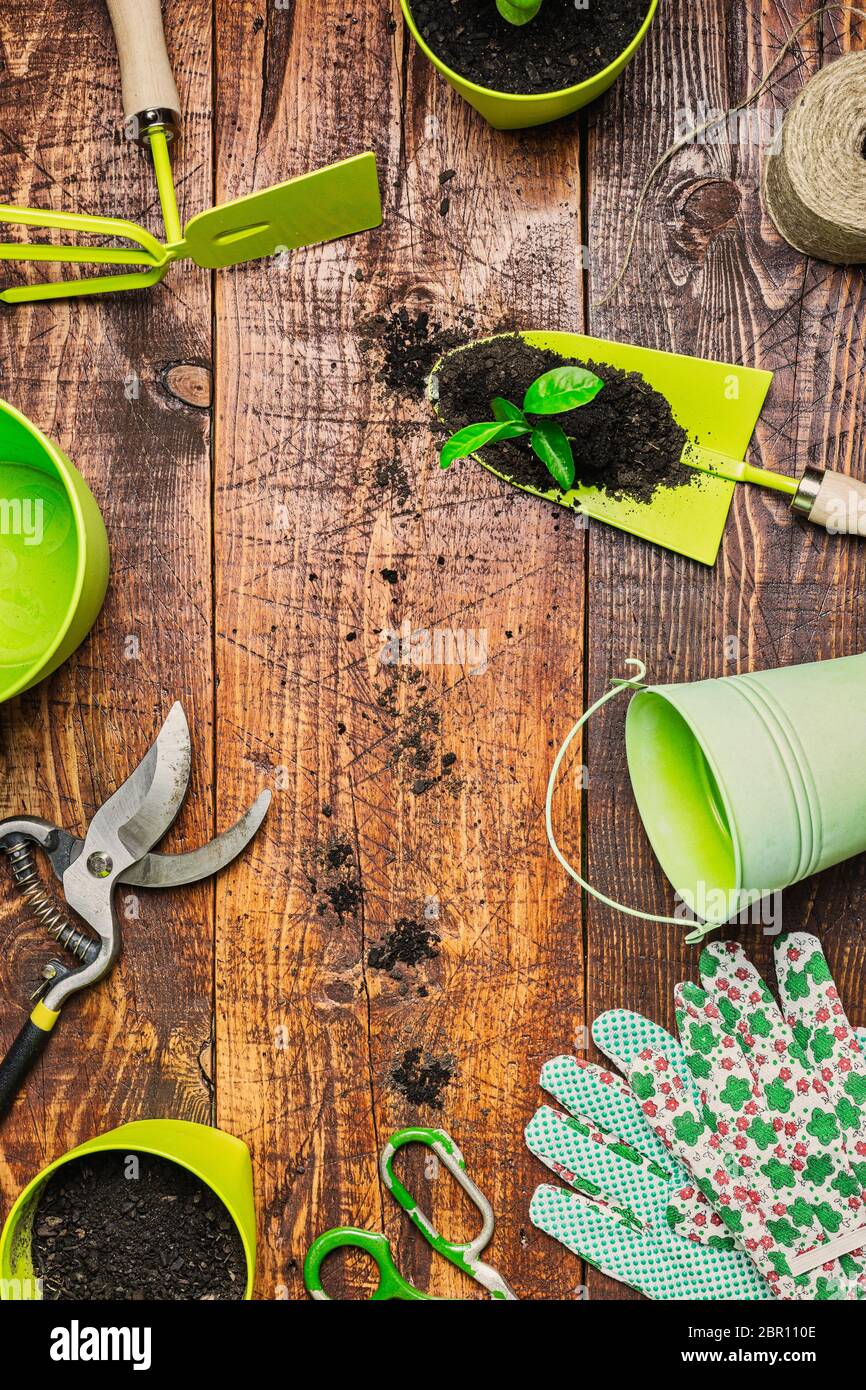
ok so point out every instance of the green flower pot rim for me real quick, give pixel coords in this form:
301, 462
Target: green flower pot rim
622, 58
157, 1150
66, 473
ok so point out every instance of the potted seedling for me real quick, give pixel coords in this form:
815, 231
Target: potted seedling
525, 62
553, 393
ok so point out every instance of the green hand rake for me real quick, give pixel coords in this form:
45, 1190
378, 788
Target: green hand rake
333, 202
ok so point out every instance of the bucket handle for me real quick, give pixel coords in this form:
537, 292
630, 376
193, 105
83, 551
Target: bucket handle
618, 685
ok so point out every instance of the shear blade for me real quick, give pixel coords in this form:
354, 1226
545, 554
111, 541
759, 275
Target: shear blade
174, 870
142, 809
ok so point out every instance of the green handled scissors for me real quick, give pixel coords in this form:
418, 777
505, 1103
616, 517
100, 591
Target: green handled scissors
391, 1282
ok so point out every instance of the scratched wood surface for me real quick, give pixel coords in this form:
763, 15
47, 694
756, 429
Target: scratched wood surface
712, 276
270, 553
89, 374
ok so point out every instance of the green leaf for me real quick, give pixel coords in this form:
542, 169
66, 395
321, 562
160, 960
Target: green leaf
762, 1133
780, 1174
550, 443
473, 437
518, 11
643, 1085
564, 388
823, 1126
823, 1044
504, 410
759, 1024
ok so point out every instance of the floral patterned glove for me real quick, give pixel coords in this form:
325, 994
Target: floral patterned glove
634, 1213
775, 1139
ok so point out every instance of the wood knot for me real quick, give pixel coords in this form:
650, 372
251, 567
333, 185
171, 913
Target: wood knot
708, 206
339, 992
191, 383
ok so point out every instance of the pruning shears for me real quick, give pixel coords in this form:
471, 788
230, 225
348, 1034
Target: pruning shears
116, 850
465, 1255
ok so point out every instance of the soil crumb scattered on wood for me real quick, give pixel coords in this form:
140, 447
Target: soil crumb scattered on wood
130, 1227
408, 344
626, 440
417, 744
334, 878
421, 1078
561, 46
408, 942
390, 476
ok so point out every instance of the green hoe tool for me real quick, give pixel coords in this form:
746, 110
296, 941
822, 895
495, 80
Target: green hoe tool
333, 202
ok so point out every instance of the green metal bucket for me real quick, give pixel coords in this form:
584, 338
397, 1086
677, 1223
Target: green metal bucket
217, 1159
53, 555
507, 111
750, 783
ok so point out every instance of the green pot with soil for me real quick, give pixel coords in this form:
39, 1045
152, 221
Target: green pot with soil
602, 428
154, 1210
521, 63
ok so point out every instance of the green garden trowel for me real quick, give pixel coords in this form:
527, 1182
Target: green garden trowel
718, 405
336, 201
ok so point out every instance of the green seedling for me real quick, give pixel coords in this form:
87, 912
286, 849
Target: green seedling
518, 11
553, 393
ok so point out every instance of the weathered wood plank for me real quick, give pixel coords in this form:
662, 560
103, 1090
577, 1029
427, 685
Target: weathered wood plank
712, 277
406, 793
89, 375
326, 479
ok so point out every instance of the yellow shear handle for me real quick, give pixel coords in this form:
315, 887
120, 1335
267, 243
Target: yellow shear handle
44, 1018
24, 1054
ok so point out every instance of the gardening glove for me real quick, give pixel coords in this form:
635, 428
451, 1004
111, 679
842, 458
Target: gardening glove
767, 1141
634, 1213
814, 1012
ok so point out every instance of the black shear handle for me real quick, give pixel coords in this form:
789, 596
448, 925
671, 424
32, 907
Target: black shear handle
21, 1058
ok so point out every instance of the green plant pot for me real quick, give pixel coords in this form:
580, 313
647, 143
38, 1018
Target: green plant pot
508, 111
53, 582
217, 1159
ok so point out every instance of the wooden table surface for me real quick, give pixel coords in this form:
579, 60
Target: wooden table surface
249, 539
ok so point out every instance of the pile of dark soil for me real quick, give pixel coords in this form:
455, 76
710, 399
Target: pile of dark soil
562, 46
625, 441
408, 345
334, 879
100, 1233
421, 1079
408, 942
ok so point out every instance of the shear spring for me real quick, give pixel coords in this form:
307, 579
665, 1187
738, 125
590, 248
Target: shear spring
73, 939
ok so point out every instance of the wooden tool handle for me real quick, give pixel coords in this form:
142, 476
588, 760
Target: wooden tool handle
832, 500
145, 71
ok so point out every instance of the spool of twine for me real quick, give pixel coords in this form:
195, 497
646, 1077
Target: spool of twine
815, 185
817, 203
